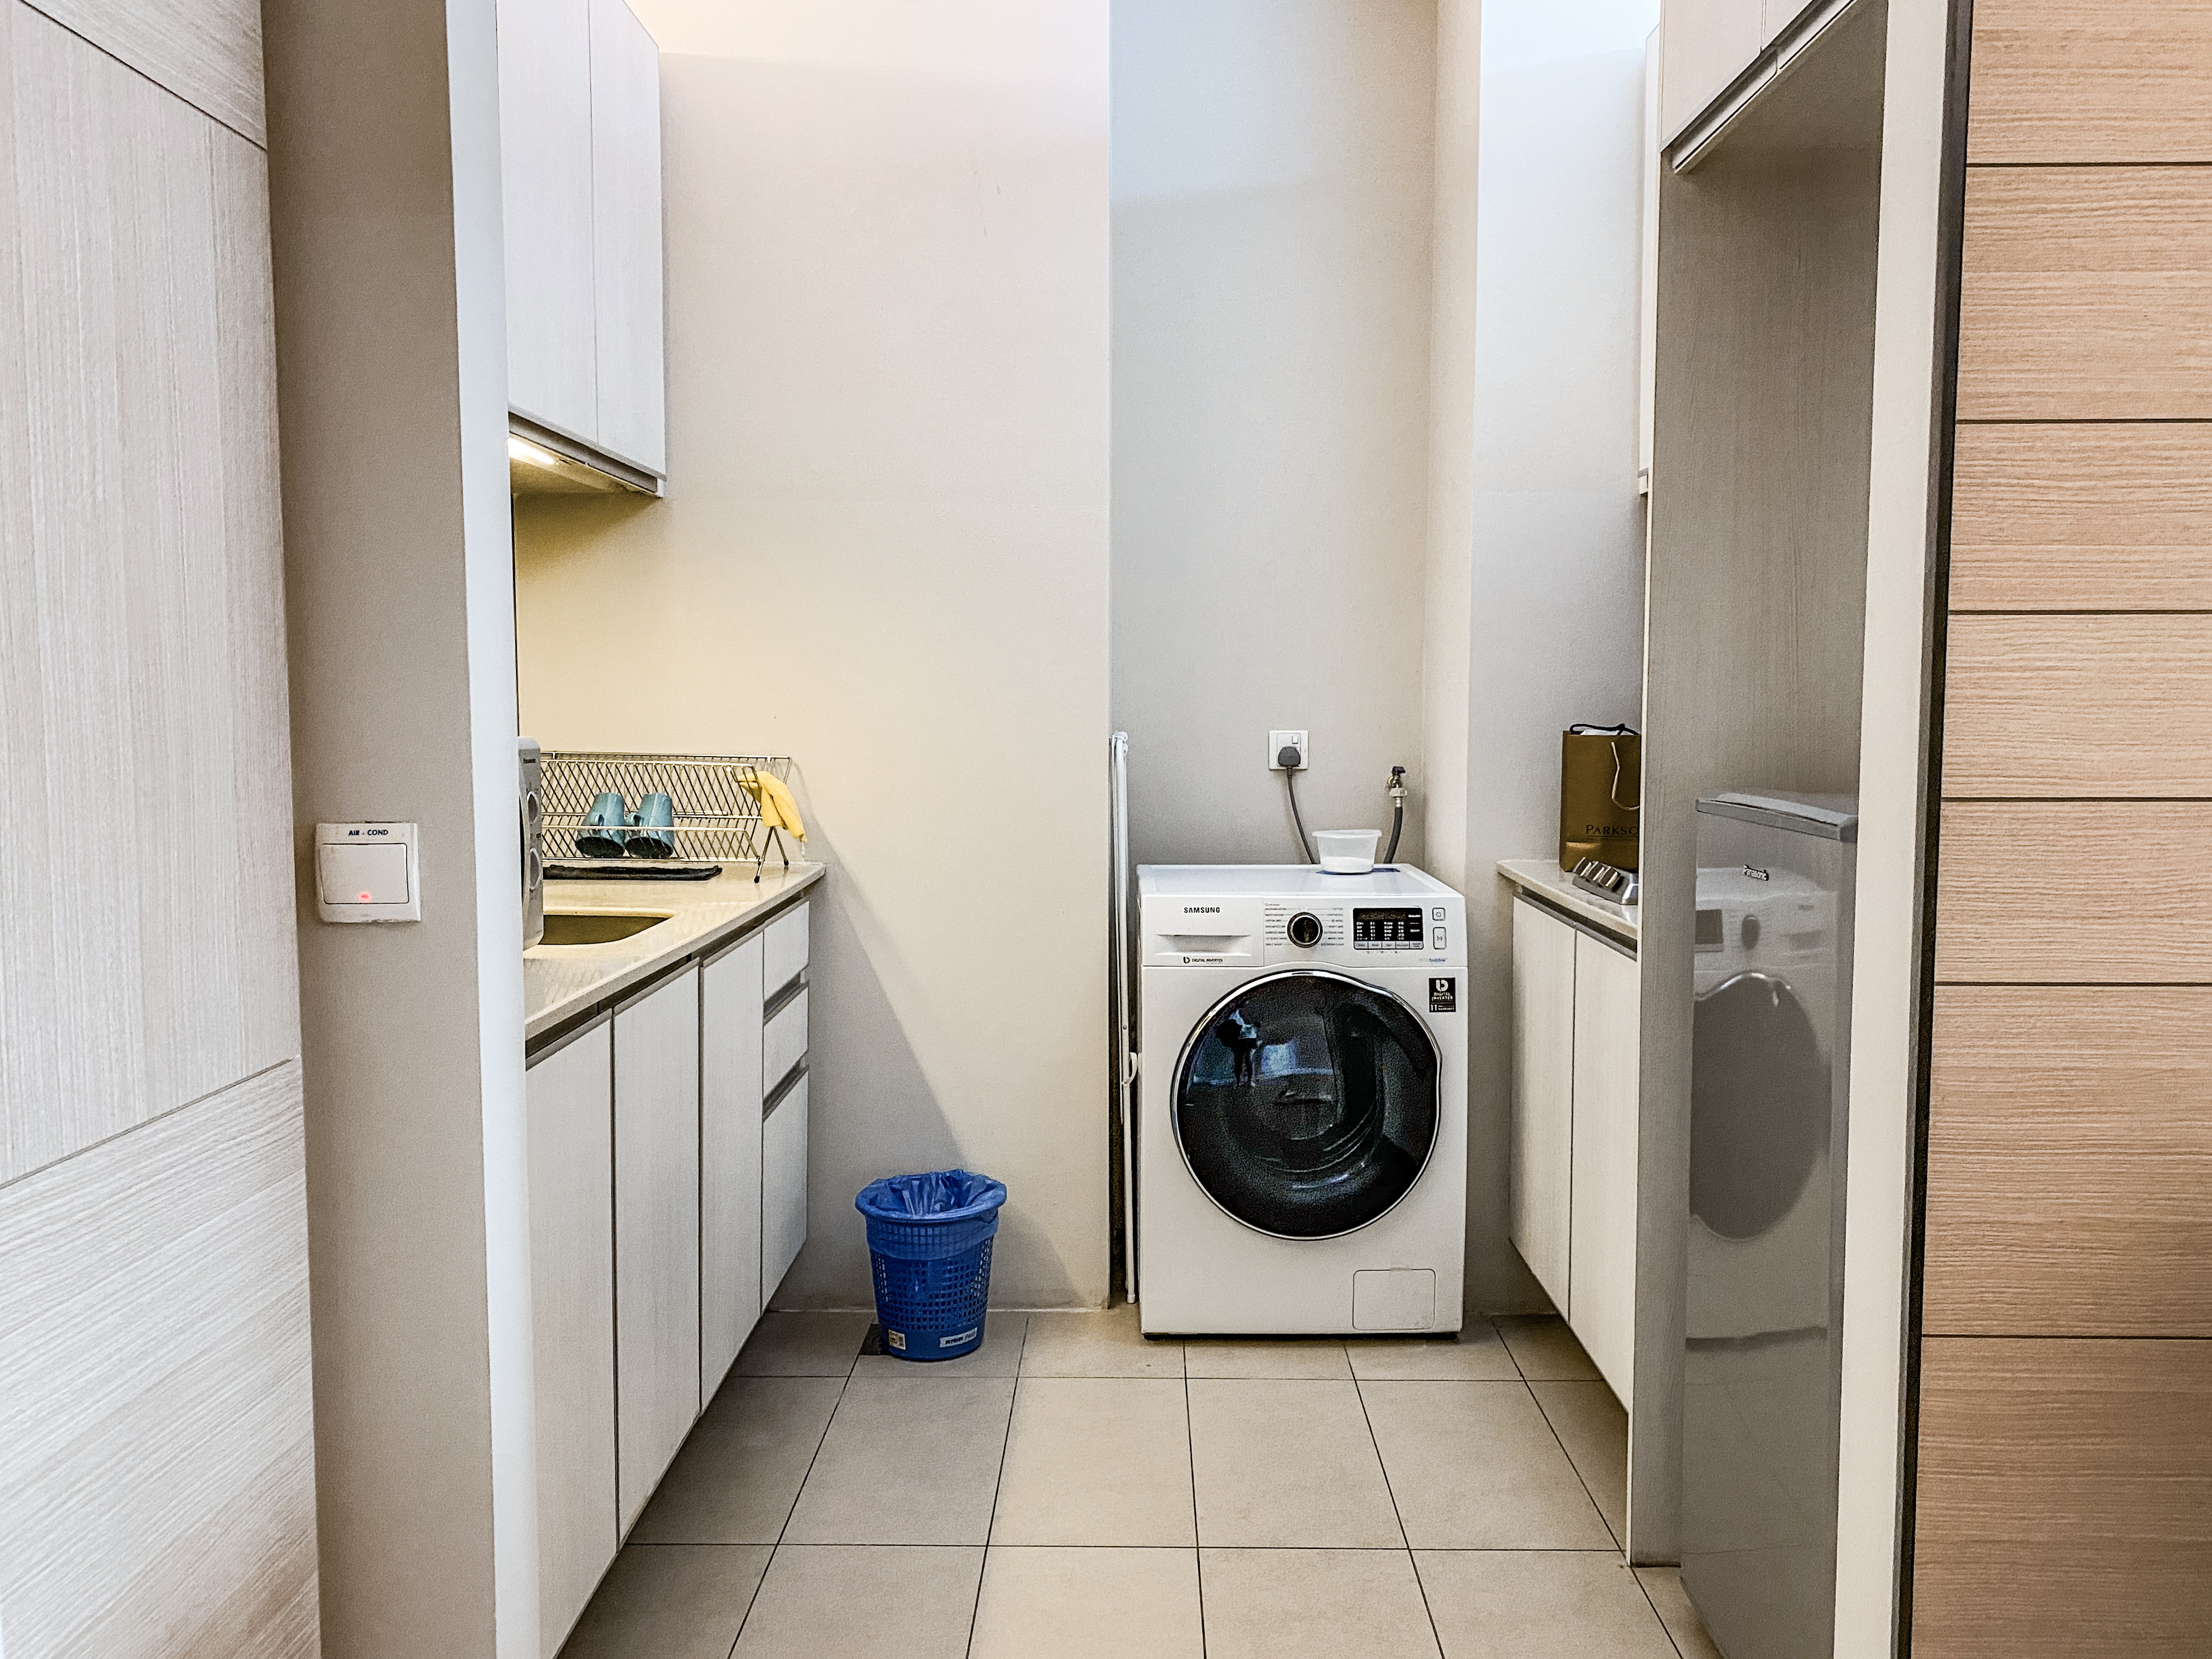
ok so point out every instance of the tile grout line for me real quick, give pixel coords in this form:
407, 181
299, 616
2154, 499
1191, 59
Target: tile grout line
1666, 1629
1620, 1545
776, 1548
1390, 1490
1190, 1454
998, 1486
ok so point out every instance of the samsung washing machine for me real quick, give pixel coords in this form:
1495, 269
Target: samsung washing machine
1301, 1144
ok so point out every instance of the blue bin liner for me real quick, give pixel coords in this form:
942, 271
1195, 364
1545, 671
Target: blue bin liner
929, 1239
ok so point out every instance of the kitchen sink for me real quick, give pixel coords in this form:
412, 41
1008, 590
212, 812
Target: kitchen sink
594, 926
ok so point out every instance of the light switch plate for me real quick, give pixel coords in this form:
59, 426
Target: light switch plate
368, 872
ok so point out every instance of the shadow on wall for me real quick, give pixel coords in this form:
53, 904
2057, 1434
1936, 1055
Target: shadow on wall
870, 1090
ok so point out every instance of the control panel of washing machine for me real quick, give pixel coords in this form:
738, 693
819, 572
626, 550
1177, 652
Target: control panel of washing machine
1368, 934
1237, 931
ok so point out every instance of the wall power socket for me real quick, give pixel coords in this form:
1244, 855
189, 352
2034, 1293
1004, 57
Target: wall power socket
1279, 741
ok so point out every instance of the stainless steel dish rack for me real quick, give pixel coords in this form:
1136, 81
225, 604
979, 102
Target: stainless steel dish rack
718, 819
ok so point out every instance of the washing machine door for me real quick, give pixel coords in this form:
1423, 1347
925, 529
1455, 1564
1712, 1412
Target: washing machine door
1305, 1103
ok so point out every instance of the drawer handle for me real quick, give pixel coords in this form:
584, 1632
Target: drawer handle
783, 998
781, 1092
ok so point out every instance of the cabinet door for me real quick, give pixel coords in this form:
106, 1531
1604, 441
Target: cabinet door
1601, 1249
572, 1299
729, 1159
656, 1233
783, 1184
1543, 1096
1705, 45
546, 175
625, 183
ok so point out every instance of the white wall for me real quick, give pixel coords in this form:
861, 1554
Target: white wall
884, 551
390, 341
1555, 620
1272, 204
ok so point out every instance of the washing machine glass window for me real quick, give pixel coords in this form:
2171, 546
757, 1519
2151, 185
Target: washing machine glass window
1306, 1103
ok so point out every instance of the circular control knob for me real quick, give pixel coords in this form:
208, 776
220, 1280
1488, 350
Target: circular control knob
1305, 928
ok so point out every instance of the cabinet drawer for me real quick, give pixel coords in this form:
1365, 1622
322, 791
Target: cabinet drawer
783, 1045
783, 1187
786, 953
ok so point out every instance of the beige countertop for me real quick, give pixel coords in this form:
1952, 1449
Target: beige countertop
1544, 877
561, 981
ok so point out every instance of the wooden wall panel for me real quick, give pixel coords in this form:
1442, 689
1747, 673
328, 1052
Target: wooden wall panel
146, 950
206, 51
2087, 294
2065, 1500
2111, 706
156, 1467
2069, 1162
2058, 892
2081, 516
2091, 81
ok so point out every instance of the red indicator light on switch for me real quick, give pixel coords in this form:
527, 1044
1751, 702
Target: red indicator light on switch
364, 898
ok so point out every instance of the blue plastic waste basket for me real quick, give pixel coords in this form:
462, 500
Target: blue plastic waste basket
929, 1238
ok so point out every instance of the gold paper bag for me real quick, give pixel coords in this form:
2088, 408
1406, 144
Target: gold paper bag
1600, 795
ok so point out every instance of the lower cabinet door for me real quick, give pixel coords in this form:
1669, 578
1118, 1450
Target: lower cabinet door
656, 1184
783, 1186
729, 1159
1543, 1094
1601, 1291
570, 1096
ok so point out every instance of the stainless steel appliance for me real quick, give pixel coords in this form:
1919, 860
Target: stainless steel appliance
1769, 1116
530, 801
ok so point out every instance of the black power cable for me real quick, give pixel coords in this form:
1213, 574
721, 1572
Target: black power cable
1287, 758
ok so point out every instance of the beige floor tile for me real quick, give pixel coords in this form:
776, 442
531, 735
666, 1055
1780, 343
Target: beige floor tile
906, 1463
803, 1345
1107, 1343
1535, 1604
739, 1475
671, 1601
1314, 1604
1477, 1356
1544, 1348
833, 1603
1001, 1354
1293, 1359
1677, 1612
1088, 1604
1475, 1466
1097, 1461
1591, 1425
1289, 1464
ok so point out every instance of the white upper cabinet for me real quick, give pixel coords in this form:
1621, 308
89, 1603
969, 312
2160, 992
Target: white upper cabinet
1706, 44
579, 133
626, 228
546, 167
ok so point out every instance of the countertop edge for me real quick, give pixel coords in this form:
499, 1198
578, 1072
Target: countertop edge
1544, 877
697, 944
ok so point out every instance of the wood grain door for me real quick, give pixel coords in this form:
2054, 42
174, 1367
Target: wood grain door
157, 1479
